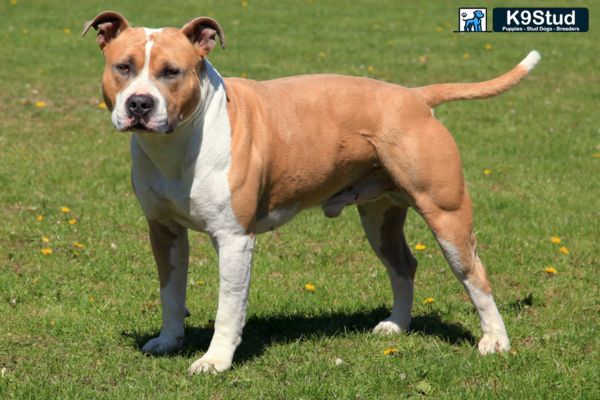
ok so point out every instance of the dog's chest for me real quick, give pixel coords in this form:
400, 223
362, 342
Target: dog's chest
196, 196
196, 204
164, 200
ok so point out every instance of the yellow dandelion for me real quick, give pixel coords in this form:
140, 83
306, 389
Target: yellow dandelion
439, 29
551, 270
73, 221
45, 239
13, 2
46, 251
371, 69
65, 210
564, 250
596, 155
102, 105
199, 282
244, 75
91, 298
25, 31
488, 46
487, 171
390, 351
428, 300
66, 31
244, 3
423, 59
466, 56
40, 104
322, 54
420, 247
39, 218
555, 239
78, 245
309, 287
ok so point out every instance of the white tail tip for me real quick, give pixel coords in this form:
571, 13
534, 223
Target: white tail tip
531, 60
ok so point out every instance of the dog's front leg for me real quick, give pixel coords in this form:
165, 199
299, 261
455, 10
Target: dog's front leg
171, 253
235, 259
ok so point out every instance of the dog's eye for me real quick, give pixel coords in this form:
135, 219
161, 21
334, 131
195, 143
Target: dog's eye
171, 72
124, 69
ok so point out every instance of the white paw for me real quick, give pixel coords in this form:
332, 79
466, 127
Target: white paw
493, 344
210, 363
388, 327
163, 344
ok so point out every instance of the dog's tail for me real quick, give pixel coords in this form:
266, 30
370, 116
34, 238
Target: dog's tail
442, 92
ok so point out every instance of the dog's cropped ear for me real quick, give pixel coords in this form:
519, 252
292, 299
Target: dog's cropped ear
109, 25
202, 32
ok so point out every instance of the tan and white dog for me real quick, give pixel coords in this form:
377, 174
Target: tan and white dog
236, 157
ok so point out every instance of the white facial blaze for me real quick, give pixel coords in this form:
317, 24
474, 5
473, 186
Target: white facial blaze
142, 84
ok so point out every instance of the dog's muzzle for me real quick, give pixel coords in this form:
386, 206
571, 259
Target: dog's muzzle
139, 106
140, 109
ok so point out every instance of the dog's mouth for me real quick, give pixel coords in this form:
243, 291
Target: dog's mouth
141, 126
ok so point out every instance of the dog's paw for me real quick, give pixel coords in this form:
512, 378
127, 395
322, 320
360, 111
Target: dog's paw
163, 344
210, 363
388, 327
493, 344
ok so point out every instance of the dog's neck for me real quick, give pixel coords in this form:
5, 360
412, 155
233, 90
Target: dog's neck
175, 153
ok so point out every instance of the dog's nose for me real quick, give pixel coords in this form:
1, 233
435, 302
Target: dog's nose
139, 105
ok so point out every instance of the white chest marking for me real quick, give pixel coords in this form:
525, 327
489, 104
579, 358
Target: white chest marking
183, 176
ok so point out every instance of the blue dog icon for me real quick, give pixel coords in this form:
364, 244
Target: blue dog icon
474, 24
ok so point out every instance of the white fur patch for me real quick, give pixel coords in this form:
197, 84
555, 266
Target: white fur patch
494, 333
402, 288
531, 60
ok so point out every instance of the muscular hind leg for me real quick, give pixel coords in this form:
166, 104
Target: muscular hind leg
453, 231
424, 161
383, 223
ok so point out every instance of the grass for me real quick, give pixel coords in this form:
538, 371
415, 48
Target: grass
72, 322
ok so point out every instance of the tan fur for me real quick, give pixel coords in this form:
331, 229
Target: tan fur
442, 92
183, 93
307, 152
339, 130
394, 248
127, 46
170, 47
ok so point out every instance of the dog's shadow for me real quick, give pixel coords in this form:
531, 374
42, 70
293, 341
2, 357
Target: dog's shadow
262, 332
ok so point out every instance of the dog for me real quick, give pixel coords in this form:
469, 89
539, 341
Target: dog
236, 157
474, 24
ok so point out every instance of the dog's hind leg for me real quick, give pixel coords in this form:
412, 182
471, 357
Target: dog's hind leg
453, 231
433, 180
383, 223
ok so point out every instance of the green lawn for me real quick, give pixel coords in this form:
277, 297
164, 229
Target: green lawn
72, 322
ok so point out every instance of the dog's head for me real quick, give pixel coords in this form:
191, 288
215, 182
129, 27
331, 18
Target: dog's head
151, 77
478, 14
